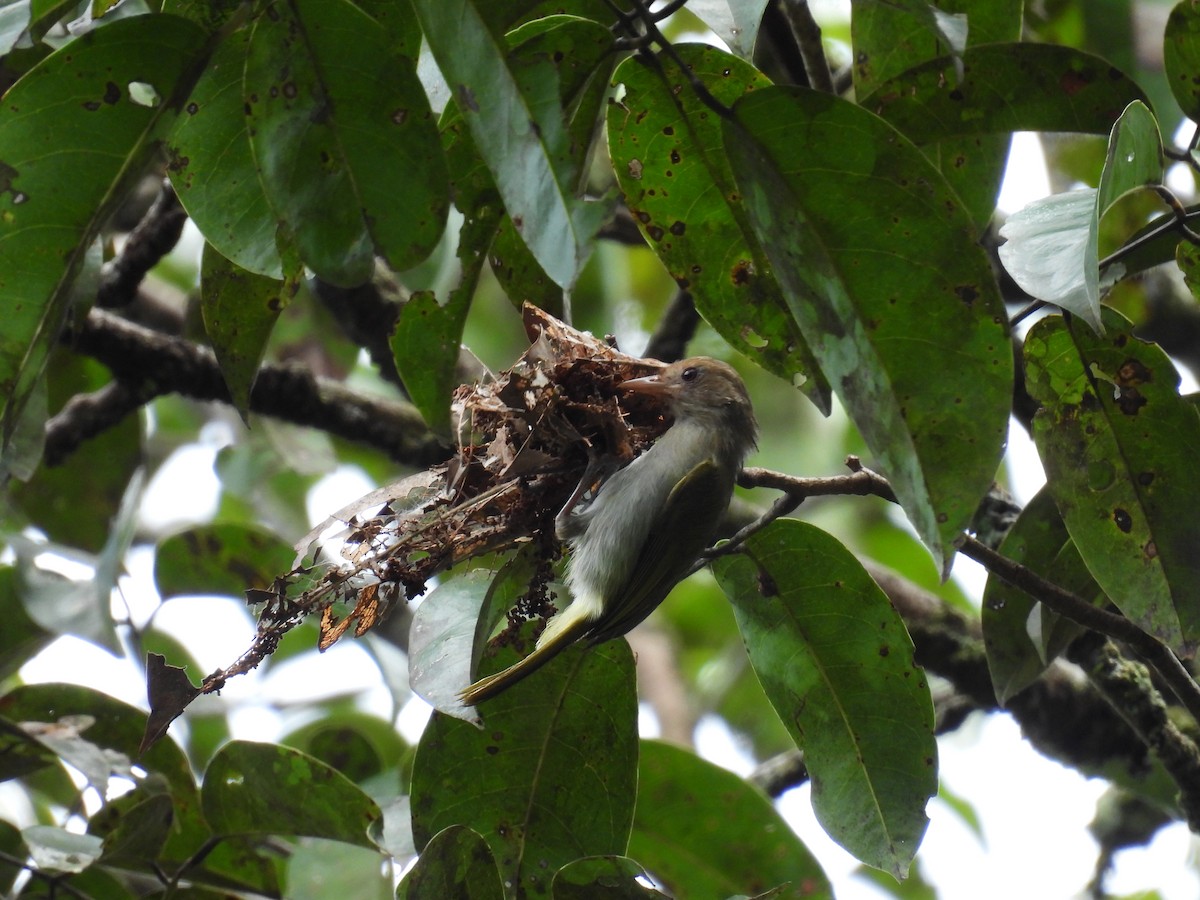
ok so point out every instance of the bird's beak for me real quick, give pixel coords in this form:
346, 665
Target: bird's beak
651, 384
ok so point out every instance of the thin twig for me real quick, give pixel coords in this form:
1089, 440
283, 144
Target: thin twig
808, 39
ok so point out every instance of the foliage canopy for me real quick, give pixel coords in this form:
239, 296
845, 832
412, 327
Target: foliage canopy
376, 185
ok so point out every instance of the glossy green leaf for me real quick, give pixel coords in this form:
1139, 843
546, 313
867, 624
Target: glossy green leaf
220, 559
1118, 444
343, 138
1015, 626
1050, 250
550, 777
735, 22
666, 150
14, 19
213, 171
239, 308
704, 832
837, 663
72, 140
880, 266
456, 862
581, 51
1052, 245
1134, 158
1181, 57
520, 129
442, 640
254, 788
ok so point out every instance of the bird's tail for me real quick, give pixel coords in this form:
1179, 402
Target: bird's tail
562, 631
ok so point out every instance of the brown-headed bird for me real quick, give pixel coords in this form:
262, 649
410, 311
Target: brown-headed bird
649, 521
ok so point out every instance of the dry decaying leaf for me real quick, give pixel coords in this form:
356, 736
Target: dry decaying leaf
524, 440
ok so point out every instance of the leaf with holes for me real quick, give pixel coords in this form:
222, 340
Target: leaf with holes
74, 136
666, 149
1118, 444
344, 139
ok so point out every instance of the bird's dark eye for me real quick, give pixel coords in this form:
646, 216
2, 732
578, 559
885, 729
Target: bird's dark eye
691, 373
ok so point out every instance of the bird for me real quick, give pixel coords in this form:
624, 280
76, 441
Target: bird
648, 522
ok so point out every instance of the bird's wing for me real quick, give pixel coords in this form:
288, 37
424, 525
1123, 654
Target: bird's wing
679, 533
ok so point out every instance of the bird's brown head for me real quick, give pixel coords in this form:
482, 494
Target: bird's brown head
707, 391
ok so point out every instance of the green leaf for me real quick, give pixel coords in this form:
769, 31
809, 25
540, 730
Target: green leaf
837, 664
1051, 251
735, 22
880, 266
1011, 618
94, 477
254, 788
72, 141
603, 878
519, 126
1181, 57
1052, 245
239, 309
344, 139
666, 150
213, 171
456, 862
220, 559
21, 638
12, 849
550, 777
55, 849
891, 37
139, 833
1006, 87
704, 832
14, 19
1118, 444
443, 638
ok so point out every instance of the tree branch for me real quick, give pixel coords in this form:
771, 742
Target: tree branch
153, 238
1126, 685
151, 364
